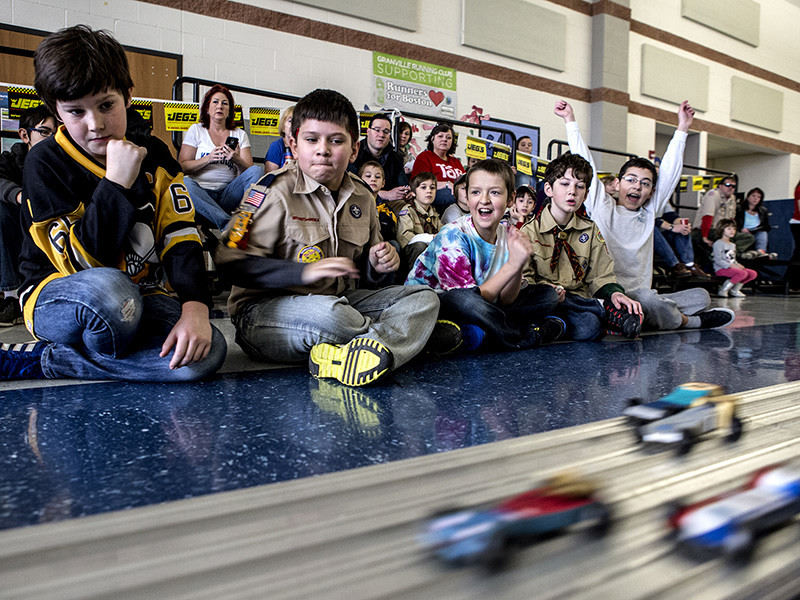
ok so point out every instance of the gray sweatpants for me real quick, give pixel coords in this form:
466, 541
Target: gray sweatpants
663, 311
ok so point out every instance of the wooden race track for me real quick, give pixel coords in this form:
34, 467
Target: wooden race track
354, 534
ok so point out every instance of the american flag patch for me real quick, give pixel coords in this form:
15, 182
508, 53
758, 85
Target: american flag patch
255, 198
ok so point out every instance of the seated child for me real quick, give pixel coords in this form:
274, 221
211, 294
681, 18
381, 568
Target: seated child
476, 262
522, 210
460, 207
570, 254
418, 222
627, 223
725, 265
105, 221
306, 258
372, 174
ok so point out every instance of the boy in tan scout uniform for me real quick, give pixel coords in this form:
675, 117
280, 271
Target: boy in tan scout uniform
570, 254
302, 251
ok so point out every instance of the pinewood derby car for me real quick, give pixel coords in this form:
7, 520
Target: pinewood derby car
485, 535
682, 397
729, 524
682, 428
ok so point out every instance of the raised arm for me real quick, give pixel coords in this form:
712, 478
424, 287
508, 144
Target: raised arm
596, 194
672, 164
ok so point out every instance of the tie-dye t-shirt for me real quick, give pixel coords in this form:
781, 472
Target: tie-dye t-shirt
459, 258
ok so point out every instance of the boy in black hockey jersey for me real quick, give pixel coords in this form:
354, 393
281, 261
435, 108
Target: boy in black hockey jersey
105, 221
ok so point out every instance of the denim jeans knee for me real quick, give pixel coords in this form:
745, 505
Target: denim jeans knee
99, 308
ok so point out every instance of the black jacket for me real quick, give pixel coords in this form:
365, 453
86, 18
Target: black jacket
390, 160
11, 172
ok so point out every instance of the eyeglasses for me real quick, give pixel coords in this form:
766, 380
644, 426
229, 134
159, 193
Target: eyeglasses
381, 130
42, 131
729, 184
633, 180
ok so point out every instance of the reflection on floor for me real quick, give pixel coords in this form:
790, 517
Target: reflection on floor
75, 450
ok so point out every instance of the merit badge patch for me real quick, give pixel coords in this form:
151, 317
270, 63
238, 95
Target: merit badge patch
355, 210
584, 238
309, 254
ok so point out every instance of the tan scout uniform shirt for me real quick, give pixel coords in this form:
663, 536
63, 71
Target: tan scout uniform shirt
409, 223
590, 248
300, 221
713, 204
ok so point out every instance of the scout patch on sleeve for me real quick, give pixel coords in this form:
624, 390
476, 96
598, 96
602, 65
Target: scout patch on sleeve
599, 237
309, 254
237, 235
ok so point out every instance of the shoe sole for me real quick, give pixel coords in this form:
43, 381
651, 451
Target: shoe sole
357, 363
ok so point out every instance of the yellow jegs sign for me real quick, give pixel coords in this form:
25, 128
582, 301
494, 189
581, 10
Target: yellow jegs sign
179, 116
476, 148
524, 164
264, 121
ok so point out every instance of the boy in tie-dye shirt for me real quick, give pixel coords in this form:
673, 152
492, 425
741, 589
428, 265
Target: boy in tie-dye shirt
476, 263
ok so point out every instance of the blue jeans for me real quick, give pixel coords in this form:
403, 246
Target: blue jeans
761, 240
216, 206
100, 327
284, 329
585, 317
10, 247
672, 248
506, 327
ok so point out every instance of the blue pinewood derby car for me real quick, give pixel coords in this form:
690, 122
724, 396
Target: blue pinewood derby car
682, 397
729, 524
486, 535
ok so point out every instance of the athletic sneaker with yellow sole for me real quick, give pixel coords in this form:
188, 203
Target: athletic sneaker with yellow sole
359, 362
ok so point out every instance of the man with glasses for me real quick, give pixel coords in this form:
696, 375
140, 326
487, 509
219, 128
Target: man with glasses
377, 146
35, 124
718, 204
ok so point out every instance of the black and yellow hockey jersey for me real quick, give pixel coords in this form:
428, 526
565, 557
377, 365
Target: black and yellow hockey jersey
76, 219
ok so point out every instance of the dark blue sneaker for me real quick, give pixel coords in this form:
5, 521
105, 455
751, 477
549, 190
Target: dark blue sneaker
472, 336
21, 361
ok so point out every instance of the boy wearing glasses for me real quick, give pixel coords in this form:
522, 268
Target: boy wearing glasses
627, 224
36, 124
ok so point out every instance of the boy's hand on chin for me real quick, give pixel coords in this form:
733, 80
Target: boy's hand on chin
384, 258
123, 161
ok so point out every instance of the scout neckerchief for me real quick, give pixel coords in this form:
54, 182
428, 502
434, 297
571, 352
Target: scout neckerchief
562, 243
426, 219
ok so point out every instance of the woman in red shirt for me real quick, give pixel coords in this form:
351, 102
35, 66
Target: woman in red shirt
439, 160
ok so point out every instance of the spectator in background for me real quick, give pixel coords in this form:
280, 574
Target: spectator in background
439, 160
35, 125
524, 144
672, 243
460, 207
377, 146
404, 135
752, 217
216, 159
279, 151
718, 204
794, 223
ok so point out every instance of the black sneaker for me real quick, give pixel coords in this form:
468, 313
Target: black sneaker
21, 361
10, 314
620, 322
445, 339
715, 318
552, 329
359, 362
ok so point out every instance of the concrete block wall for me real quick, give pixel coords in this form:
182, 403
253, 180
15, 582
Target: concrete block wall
245, 54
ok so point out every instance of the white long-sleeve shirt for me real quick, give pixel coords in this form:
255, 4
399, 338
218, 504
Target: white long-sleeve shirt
629, 233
